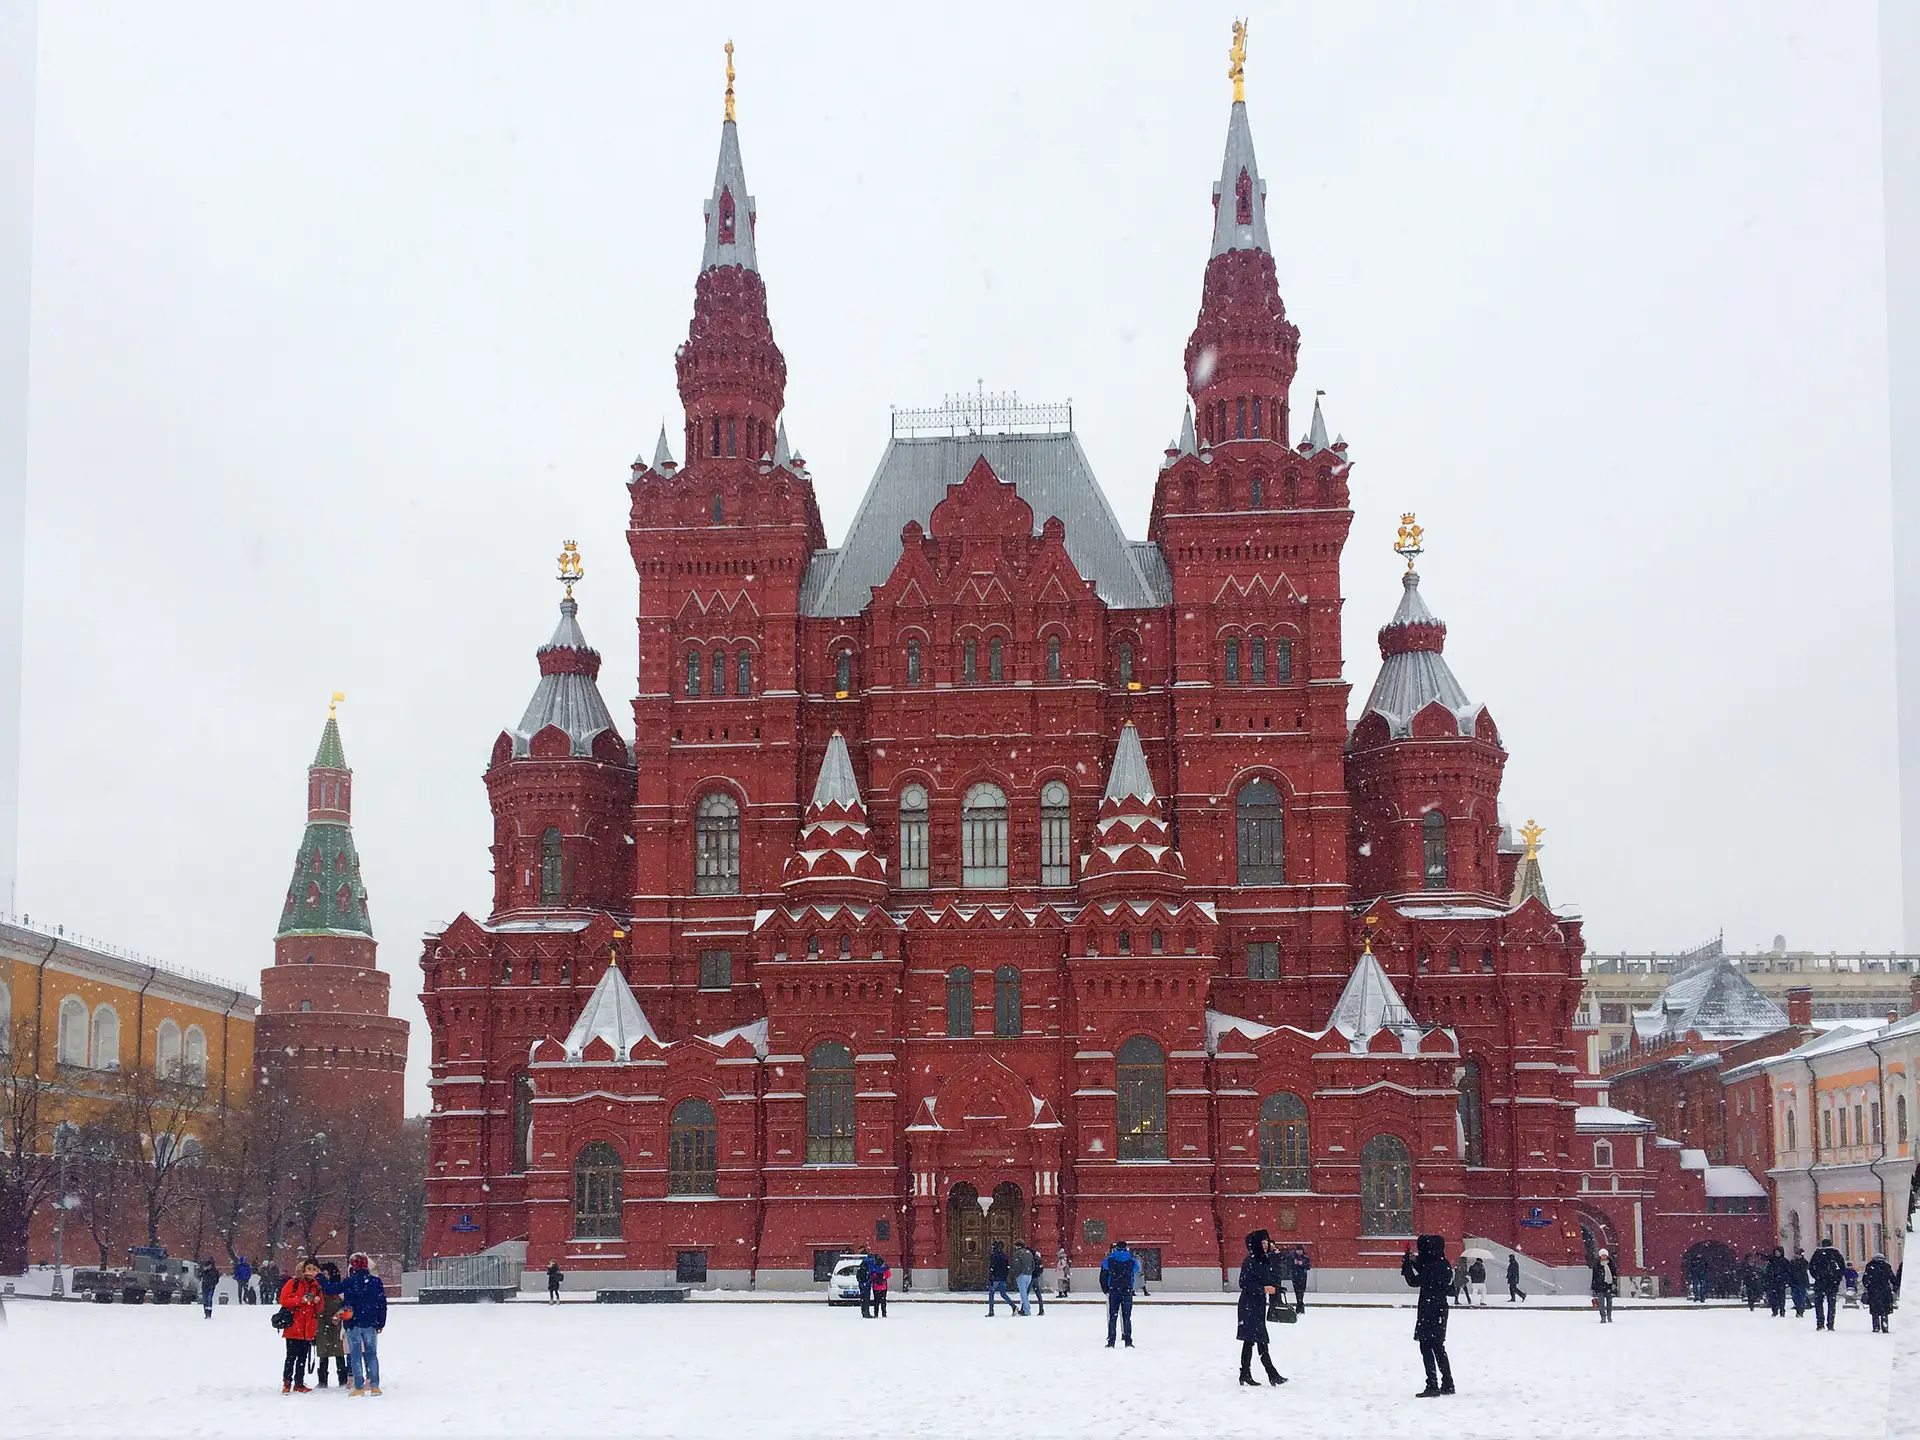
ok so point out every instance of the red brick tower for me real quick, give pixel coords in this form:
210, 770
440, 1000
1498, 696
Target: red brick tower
324, 1035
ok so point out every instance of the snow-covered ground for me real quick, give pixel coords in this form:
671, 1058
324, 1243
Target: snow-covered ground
778, 1371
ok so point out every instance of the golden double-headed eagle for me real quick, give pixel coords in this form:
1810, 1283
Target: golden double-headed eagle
570, 570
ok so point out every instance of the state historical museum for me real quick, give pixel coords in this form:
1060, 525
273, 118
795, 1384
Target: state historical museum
994, 875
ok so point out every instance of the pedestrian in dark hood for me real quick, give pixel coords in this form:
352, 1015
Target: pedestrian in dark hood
1259, 1277
1878, 1286
998, 1271
1428, 1272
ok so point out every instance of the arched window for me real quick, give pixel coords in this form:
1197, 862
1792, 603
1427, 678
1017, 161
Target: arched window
1283, 661
693, 1150
166, 1051
1056, 834
1257, 661
716, 838
913, 838
1006, 1002
1472, 1149
1140, 1075
693, 672
1257, 817
552, 873
1124, 656
597, 1192
913, 662
996, 669
843, 674
1233, 662
983, 838
1433, 837
106, 1038
1284, 1157
1258, 493
1053, 659
522, 1121
960, 1002
830, 1105
743, 673
969, 661
1603, 1154
1386, 1187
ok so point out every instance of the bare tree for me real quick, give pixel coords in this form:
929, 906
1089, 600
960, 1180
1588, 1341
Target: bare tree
226, 1182
158, 1116
273, 1129
312, 1179
32, 1107
96, 1171
409, 1174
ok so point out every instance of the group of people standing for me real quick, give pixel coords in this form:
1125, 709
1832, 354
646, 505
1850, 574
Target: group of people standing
327, 1316
1023, 1269
875, 1277
1818, 1280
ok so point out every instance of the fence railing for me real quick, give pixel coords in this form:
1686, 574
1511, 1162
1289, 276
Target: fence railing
472, 1272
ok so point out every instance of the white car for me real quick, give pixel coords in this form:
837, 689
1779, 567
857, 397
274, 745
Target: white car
843, 1287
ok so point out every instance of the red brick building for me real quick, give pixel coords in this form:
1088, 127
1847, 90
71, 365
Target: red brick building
995, 875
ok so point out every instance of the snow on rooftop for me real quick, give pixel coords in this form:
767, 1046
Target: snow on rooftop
1605, 1117
1731, 1182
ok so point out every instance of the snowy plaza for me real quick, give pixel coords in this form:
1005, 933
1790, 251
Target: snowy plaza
800, 1369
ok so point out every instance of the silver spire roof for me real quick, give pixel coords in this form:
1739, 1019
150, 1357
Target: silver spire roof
612, 1014
567, 697
1228, 233
662, 456
729, 191
1410, 680
1317, 430
782, 454
1369, 1002
1129, 778
836, 785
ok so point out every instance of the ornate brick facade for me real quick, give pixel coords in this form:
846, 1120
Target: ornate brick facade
995, 875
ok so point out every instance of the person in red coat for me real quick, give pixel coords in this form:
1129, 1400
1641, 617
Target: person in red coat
302, 1297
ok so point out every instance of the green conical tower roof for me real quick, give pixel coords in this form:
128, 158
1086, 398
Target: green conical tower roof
330, 755
326, 896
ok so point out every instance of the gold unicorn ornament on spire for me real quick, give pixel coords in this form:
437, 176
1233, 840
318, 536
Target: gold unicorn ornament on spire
1237, 61
729, 82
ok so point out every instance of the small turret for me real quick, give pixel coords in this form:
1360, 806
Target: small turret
835, 859
1133, 854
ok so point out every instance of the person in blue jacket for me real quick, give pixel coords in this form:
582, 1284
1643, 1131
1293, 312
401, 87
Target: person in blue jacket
1119, 1272
243, 1277
367, 1298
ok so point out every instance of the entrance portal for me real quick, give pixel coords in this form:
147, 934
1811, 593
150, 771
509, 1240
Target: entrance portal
971, 1234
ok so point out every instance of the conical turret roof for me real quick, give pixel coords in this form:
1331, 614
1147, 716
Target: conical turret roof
568, 694
1240, 199
331, 755
612, 1014
325, 896
1133, 851
730, 210
1413, 672
835, 858
1369, 1002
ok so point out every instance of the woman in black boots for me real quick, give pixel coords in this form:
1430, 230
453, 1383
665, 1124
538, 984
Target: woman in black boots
1430, 1274
1259, 1276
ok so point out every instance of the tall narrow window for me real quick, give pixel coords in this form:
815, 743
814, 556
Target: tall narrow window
913, 662
830, 1105
716, 838
1285, 1161
1793, 1141
1243, 203
552, 862
1386, 1187
1233, 662
959, 1002
729, 441
106, 1038
1125, 655
719, 511
693, 1150
726, 219
1256, 435
1056, 834
913, 838
983, 838
166, 1051
996, 670
843, 674
1240, 417
716, 436
196, 1054
1283, 661
1257, 661
1263, 960
970, 661
522, 1121
1258, 822
719, 673
1472, 1150
1006, 1002
596, 1192
1433, 837
1140, 1075
1053, 659
71, 1048
743, 673
1900, 1118
695, 672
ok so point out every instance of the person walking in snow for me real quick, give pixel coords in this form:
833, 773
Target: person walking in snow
997, 1274
1827, 1269
1064, 1263
1776, 1276
1023, 1276
1429, 1273
1851, 1282
1119, 1272
243, 1277
554, 1276
366, 1317
1461, 1295
1878, 1285
1038, 1274
1297, 1270
1799, 1277
1605, 1284
1260, 1277
302, 1299
209, 1282
1477, 1281
882, 1274
1750, 1280
1514, 1292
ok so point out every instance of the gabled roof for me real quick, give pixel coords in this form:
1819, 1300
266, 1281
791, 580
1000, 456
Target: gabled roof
612, 1014
1715, 999
1049, 472
1369, 1003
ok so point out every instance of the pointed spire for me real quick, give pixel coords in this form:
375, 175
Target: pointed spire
782, 453
326, 896
331, 755
835, 859
1527, 880
836, 785
662, 456
1129, 778
612, 1014
1317, 429
1240, 199
1133, 852
730, 211
1369, 1003
1187, 445
568, 695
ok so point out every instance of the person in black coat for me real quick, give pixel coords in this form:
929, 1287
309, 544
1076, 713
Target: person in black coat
1514, 1292
1827, 1268
998, 1270
1260, 1275
1298, 1269
1877, 1284
1799, 1277
1774, 1275
1429, 1273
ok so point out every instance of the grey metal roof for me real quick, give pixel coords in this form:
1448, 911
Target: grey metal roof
1718, 1001
1411, 680
836, 785
1227, 233
612, 1014
568, 699
662, 456
1130, 777
1369, 1002
731, 175
1051, 474
1317, 428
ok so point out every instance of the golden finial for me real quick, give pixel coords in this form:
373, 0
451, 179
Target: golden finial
1237, 61
1366, 935
1409, 542
729, 82
570, 570
1531, 833
337, 698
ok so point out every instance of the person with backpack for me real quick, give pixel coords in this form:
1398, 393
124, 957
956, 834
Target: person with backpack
1118, 1274
209, 1282
298, 1321
882, 1281
1514, 1292
1297, 1271
1039, 1294
1827, 1269
997, 1276
863, 1276
1428, 1272
366, 1298
1259, 1279
554, 1276
1604, 1282
1477, 1281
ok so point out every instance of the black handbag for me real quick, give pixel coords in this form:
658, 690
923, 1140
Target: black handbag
282, 1318
1279, 1312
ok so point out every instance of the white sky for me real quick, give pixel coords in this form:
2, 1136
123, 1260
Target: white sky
344, 318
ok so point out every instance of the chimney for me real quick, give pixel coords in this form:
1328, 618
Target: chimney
1800, 1006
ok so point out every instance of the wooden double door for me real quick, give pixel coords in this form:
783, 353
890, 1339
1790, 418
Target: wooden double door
973, 1231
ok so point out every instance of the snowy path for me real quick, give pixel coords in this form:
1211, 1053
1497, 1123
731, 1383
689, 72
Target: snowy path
788, 1372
